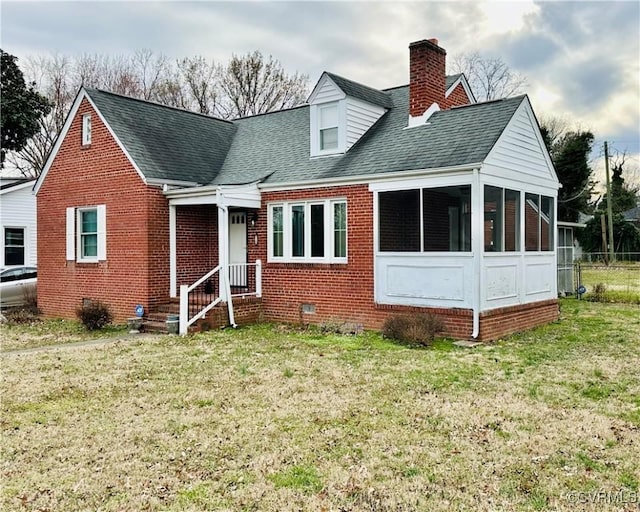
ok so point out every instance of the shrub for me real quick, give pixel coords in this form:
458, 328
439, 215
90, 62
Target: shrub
333, 326
419, 328
22, 316
94, 315
599, 293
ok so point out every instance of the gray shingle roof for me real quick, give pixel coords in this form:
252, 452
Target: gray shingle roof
166, 143
362, 92
171, 144
451, 79
275, 147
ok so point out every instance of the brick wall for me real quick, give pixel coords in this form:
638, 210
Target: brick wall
457, 98
136, 270
427, 81
196, 241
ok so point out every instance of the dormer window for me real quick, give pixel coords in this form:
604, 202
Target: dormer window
328, 126
86, 129
340, 112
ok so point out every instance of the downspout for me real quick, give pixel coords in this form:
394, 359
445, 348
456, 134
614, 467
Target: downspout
223, 251
476, 240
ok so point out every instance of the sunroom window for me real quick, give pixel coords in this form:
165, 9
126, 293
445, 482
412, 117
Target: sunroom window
425, 220
313, 231
501, 219
539, 222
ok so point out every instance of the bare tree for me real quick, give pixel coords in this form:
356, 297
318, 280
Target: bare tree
489, 78
255, 85
151, 70
200, 83
246, 86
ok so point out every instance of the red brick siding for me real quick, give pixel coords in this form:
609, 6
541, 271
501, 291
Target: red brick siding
196, 242
457, 98
136, 268
504, 321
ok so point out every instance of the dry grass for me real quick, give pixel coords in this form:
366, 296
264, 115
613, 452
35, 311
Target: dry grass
271, 419
39, 333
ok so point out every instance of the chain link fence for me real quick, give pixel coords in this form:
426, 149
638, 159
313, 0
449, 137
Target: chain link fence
618, 281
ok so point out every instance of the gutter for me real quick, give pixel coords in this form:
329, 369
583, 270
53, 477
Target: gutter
365, 179
478, 252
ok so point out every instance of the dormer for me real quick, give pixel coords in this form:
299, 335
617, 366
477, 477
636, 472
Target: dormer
341, 111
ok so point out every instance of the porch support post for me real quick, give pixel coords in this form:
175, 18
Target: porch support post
223, 255
173, 265
223, 242
258, 278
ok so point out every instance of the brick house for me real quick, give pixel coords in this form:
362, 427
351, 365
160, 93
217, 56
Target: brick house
359, 204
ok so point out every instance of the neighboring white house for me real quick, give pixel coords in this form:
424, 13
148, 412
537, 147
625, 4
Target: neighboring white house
18, 220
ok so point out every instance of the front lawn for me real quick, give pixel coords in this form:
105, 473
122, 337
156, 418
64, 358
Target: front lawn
267, 418
39, 333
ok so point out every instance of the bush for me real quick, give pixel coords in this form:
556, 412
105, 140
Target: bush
22, 316
599, 293
338, 327
420, 328
94, 315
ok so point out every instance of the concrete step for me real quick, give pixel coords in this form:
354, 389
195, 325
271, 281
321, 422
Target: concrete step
154, 326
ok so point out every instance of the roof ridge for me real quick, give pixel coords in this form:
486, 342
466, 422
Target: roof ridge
480, 103
354, 81
302, 105
157, 104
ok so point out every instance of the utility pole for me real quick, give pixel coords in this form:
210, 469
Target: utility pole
609, 208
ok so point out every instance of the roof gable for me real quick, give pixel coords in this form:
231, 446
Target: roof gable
452, 81
521, 147
345, 87
166, 143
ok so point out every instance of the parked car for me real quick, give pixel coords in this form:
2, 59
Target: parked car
17, 285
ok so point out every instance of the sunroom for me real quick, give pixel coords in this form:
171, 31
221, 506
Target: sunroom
465, 240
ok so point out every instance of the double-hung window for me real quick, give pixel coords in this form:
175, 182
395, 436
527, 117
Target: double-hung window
310, 231
86, 234
328, 125
13, 246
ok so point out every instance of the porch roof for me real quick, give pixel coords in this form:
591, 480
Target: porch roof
244, 196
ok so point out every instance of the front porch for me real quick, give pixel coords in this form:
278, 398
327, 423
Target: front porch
209, 264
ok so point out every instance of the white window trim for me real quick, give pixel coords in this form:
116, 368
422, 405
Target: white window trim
86, 129
314, 122
74, 234
329, 241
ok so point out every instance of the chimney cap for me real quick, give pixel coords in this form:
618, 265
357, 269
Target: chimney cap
428, 43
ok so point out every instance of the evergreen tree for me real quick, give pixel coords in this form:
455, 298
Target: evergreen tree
20, 105
570, 154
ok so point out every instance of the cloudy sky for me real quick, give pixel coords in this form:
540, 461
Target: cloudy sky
581, 59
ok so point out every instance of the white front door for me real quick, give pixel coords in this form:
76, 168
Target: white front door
237, 248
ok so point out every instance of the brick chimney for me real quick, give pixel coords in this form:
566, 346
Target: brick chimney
427, 82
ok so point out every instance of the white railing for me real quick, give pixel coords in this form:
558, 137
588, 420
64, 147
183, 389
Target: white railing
198, 297
244, 280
